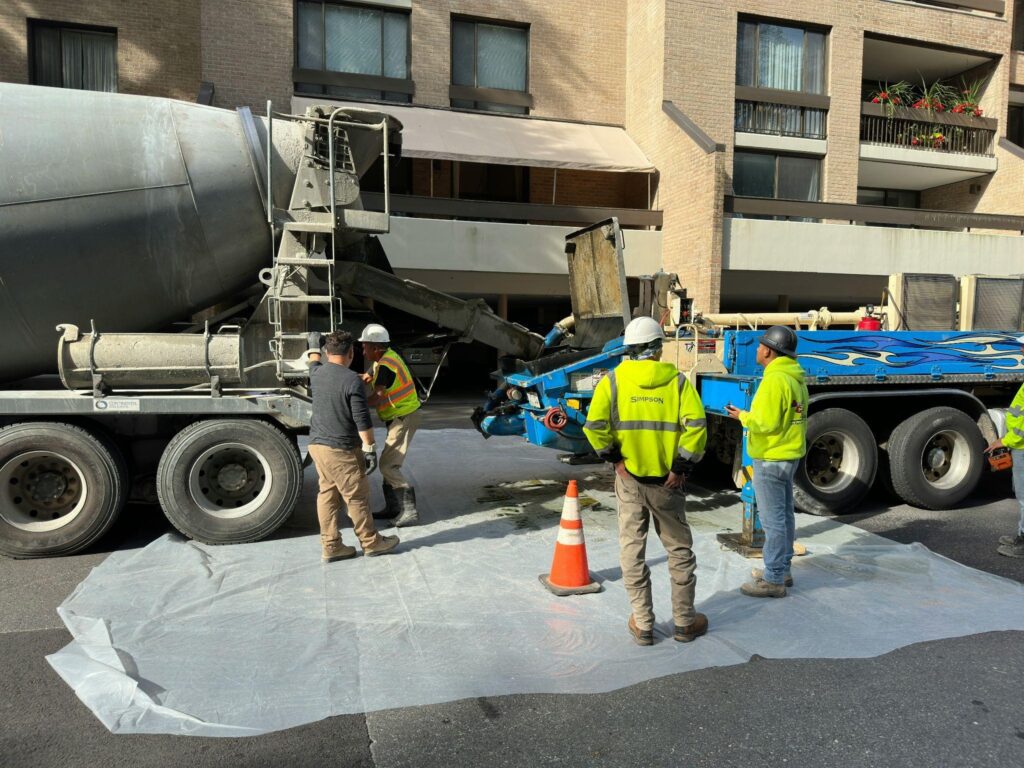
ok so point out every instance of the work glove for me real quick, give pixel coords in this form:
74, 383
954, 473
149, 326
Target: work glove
681, 466
370, 456
612, 454
315, 340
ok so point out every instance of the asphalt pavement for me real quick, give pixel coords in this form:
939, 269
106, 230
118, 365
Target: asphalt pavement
953, 702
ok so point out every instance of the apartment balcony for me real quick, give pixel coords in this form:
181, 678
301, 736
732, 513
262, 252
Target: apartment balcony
480, 247
904, 148
995, 8
845, 262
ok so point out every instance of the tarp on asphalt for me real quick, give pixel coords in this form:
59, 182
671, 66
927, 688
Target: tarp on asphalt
183, 638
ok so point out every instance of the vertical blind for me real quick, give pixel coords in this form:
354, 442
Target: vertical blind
490, 56
777, 56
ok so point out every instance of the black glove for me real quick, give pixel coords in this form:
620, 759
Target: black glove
315, 340
370, 456
681, 466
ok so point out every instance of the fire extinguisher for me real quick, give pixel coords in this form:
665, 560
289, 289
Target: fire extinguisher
870, 322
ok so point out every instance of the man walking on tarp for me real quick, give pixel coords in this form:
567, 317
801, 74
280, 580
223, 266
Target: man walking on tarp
648, 421
1013, 546
341, 444
394, 396
776, 441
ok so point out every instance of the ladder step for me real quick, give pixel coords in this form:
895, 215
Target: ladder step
291, 336
308, 226
300, 261
304, 299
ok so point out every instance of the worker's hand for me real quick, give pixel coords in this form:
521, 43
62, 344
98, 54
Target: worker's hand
675, 481
733, 411
370, 456
314, 341
367, 378
620, 470
994, 446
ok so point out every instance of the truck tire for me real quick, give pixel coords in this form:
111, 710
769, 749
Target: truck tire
61, 488
936, 458
840, 465
228, 481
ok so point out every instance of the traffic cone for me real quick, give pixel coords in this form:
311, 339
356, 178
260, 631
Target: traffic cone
569, 572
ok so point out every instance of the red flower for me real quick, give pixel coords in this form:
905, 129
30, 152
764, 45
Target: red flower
874, 100
978, 112
884, 95
915, 141
896, 101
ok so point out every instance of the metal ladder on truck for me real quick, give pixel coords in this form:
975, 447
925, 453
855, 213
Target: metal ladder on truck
320, 208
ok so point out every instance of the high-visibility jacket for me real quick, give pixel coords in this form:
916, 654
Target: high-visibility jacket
650, 412
1015, 422
399, 399
777, 420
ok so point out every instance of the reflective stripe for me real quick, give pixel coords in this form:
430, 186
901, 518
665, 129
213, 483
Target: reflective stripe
1016, 411
1018, 432
572, 538
690, 455
696, 423
596, 425
653, 426
682, 382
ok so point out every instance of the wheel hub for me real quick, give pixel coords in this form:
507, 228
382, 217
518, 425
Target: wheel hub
49, 486
40, 491
232, 477
229, 480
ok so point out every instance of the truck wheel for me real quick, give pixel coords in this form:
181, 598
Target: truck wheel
229, 481
61, 488
936, 457
840, 466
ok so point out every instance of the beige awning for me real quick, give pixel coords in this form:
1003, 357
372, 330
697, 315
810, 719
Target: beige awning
442, 134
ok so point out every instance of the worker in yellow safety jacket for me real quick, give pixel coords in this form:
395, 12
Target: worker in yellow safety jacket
398, 405
1013, 546
648, 421
776, 440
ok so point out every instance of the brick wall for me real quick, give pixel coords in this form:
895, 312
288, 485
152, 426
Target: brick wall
158, 43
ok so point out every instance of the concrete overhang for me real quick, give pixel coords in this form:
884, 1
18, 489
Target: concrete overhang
888, 167
781, 143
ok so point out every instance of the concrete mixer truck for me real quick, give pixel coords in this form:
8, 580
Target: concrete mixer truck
120, 215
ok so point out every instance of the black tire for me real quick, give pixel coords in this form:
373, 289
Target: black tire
78, 485
229, 481
840, 466
937, 457
883, 478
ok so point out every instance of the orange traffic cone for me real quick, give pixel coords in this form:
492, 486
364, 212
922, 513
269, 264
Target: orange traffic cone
569, 571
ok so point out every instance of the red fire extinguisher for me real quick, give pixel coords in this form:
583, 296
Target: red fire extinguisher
869, 322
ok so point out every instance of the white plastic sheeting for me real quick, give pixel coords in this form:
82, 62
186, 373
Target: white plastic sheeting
227, 641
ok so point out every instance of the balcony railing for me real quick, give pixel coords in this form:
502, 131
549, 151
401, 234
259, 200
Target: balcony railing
513, 213
872, 214
780, 120
926, 130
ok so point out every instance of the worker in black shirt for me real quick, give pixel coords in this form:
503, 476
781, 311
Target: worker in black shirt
342, 446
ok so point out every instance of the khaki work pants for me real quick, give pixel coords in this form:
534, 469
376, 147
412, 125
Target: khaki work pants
396, 446
343, 476
638, 503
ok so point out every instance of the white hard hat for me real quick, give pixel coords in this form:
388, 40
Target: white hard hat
375, 334
643, 330
1020, 340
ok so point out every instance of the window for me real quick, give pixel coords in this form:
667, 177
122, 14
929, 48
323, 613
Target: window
352, 51
500, 183
894, 198
490, 66
787, 177
780, 57
72, 56
1015, 124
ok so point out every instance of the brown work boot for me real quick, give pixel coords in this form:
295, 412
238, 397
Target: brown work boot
693, 630
758, 573
337, 551
384, 545
1012, 541
640, 636
762, 588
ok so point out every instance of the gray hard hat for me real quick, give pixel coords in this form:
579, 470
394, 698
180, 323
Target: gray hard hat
781, 339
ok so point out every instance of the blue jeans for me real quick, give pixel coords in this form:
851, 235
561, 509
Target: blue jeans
1018, 484
773, 491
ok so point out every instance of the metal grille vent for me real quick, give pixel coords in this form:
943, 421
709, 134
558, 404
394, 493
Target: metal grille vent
999, 304
929, 302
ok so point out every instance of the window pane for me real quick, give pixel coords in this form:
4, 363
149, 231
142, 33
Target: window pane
310, 36
353, 40
814, 123
99, 62
462, 53
799, 178
501, 57
814, 62
870, 197
46, 57
344, 92
506, 108
746, 49
1015, 125
753, 174
780, 57
71, 58
396, 40
905, 198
